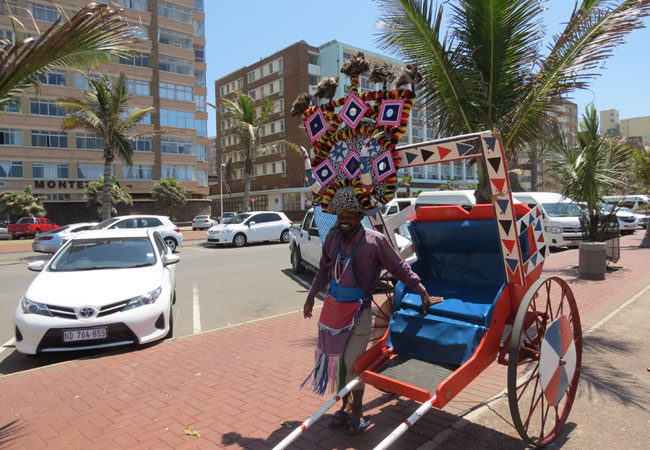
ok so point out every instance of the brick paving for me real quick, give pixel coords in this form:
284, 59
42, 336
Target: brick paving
238, 386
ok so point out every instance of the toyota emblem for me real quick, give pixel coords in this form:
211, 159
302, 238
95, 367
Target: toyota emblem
86, 312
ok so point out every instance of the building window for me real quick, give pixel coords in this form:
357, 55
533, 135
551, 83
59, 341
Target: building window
200, 78
53, 77
137, 172
199, 53
138, 87
42, 107
202, 177
139, 31
49, 170
201, 127
291, 201
13, 4
45, 13
201, 152
174, 118
140, 5
80, 81
179, 171
272, 128
89, 141
53, 139
11, 136
11, 169
176, 92
199, 28
198, 5
91, 171
141, 144
199, 100
174, 38
139, 60
314, 59
175, 65
175, 145
174, 12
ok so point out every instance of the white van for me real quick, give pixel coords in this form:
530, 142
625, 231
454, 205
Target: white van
561, 216
396, 205
627, 201
463, 198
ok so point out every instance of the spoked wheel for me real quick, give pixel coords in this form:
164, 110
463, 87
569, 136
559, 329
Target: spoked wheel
544, 360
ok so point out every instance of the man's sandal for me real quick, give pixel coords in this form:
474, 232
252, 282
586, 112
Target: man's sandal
356, 425
339, 419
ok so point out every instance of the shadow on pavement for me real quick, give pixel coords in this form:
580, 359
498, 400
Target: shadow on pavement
9, 432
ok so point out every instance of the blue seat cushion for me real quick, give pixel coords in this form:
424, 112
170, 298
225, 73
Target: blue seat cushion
464, 302
433, 338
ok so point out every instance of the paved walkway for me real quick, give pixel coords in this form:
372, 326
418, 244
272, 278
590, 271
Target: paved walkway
238, 387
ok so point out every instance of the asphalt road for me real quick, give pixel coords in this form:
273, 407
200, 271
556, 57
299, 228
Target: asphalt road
216, 287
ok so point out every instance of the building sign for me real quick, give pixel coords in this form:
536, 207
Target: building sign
60, 184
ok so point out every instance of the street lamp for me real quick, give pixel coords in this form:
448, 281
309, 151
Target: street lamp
223, 166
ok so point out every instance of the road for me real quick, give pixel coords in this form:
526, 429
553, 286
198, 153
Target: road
216, 287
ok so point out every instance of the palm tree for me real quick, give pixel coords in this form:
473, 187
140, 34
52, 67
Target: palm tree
93, 194
88, 38
490, 71
248, 123
169, 193
17, 205
642, 172
590, 170
104, 113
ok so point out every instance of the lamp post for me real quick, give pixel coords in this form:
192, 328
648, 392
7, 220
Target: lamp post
221, 190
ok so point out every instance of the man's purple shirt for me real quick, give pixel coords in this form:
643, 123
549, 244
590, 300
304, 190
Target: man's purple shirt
373, 251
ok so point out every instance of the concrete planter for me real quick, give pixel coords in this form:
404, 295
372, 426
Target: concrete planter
592, 260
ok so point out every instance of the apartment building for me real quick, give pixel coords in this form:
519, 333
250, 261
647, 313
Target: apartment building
278, 180
167, 73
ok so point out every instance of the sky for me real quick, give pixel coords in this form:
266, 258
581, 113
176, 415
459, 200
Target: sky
238, 33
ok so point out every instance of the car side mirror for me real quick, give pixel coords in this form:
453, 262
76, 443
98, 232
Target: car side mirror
171, 259
36, 266
251, 223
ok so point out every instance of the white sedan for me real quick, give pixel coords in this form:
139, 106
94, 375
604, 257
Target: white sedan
104, 288
255, 226
53, 240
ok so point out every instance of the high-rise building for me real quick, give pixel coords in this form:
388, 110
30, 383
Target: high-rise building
278, 183
167, 72
636, 127
609, 124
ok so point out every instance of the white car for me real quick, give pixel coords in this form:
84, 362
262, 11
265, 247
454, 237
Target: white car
255, 226
627, 221
169, 232
53, 240
201, 222
102, 289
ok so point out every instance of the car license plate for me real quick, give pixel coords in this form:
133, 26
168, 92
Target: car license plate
85, 334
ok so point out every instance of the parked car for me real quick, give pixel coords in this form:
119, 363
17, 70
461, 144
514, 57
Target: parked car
255, 226
628, 201
104, 288
396, 205
227, 217
169, 232
4, 232
31, 226
201, 222
641, 217
52, 241
463, 198
627, 220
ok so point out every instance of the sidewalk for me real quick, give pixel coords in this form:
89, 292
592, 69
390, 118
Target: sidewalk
238, 386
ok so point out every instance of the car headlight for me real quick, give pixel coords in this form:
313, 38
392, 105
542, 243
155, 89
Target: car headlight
550, 229
145, 299
30, 307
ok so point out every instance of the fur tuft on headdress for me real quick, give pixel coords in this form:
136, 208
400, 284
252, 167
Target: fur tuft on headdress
301, 103
356, 65
326, 89
410, 75
382, 74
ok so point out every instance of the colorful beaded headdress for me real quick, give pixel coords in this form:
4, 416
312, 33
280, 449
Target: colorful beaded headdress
355, 163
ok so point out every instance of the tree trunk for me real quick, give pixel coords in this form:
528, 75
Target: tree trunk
106, 189
248, 173
645, 243
483, 194
533, 171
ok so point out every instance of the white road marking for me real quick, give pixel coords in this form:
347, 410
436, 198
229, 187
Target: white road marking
196, 307
8, 345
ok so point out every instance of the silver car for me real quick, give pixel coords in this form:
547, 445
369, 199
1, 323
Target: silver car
203, 222
169, 232
4, 233
52, 241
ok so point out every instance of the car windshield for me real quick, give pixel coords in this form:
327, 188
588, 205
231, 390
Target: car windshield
27, 220
104, 224
239, 218
561, 209
104, 253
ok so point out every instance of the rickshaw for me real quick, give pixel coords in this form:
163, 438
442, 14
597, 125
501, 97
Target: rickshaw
486, 263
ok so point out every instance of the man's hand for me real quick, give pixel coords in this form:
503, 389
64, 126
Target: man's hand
428, 301
309, 306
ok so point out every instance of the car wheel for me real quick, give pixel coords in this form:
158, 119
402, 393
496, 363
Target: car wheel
36, 233
239, 240
284, 237
170, 333
296, 261
171, 243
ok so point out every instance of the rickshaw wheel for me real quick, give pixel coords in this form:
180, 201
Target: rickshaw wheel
544, 360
